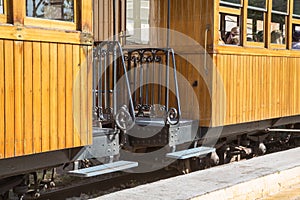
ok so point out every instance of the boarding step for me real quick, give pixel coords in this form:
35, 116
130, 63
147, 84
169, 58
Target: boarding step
190, 153
103, 169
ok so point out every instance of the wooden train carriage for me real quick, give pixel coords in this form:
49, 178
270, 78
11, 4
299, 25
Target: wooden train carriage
45, 77
260, 74
253, 81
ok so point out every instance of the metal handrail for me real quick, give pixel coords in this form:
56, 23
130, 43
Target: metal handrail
147, 57
103, 51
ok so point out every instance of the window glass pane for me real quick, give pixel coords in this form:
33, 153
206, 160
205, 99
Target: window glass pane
137, 21
255, 26
296, 37
1, 7
229, 29
257, 3
297, 7
51, 9
278, 29
280, 5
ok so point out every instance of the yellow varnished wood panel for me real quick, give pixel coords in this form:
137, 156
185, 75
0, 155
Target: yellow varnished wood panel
96, 7
272, 94
37, 98
28, 98
188, 17
194, 88
83, 96
50, 24
45, 52
89, 94
9, 99
76, 95
38, 70
103, 19
258, 87
295, 84
2, 101
218, 95
245, 88
46, 97
268, 86
86, 16
69, 96
61, 95
53, 96
41, 35
232, 71
18, 12
19, 98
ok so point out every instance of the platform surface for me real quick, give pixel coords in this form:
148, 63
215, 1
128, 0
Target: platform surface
292, 193
256, 178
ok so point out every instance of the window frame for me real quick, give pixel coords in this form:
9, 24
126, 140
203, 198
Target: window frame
4, 16
51, 23
17, 29
289, 16
287, 25
234, 11
225, 3
265, 14
295, 23
296, 16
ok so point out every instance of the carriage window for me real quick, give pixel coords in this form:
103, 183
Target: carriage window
1, 7
296, 12
137, 21
279, 21
229, 29
278, 25
259, 4
279, 6
51, 9
296, 37
234, 3
255, 21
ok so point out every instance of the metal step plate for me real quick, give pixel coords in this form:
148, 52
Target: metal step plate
103, 169
190, 153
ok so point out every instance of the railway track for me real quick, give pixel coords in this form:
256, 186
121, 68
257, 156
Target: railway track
85, 188
93, 187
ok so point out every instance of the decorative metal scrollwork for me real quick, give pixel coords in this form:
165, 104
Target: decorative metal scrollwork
172, 116
123, 119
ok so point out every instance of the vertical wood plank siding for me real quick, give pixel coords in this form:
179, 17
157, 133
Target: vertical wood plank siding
19, 98
242, 88
258, 87
37, 97
103, 19
2, 101
41, 98
190, 18
28, 99
9, 114
69, 96
61, 96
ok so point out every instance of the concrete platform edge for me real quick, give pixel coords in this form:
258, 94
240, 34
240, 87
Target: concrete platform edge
251, 180
257, 188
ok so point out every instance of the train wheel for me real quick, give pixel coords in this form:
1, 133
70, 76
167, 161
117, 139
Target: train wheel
223, 154
184, 166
